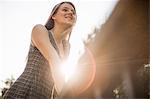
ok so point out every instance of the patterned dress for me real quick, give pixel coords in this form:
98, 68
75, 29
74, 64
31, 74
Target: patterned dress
36, 81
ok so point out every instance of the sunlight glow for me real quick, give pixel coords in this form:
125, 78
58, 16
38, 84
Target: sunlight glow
80, 74
68, 69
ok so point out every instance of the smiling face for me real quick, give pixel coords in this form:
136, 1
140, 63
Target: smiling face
65, 15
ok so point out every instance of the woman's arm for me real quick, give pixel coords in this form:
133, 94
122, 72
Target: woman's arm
41, 40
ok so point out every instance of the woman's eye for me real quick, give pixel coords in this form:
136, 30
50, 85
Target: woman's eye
65, 10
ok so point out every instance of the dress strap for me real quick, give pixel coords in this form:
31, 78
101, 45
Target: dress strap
53, 42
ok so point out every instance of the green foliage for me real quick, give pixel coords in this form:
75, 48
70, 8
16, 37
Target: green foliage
8, 82
140, 84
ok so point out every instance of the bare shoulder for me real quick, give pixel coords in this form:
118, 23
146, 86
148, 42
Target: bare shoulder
39, 32
39, 35
39, 28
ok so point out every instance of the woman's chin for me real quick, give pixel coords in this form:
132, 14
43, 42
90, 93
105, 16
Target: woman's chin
68, 25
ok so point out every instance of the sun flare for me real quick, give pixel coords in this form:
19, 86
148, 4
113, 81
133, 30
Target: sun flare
68, 69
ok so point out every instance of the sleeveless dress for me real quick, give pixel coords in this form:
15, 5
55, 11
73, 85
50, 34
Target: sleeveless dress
36, 81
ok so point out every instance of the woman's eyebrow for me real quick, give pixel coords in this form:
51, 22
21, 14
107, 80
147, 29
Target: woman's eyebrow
72, 9
68, 8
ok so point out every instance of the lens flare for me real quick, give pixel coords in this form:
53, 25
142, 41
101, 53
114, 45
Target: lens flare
88, 71
79, 75
68, 69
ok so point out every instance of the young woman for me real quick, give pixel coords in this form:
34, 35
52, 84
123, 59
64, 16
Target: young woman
41, 78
